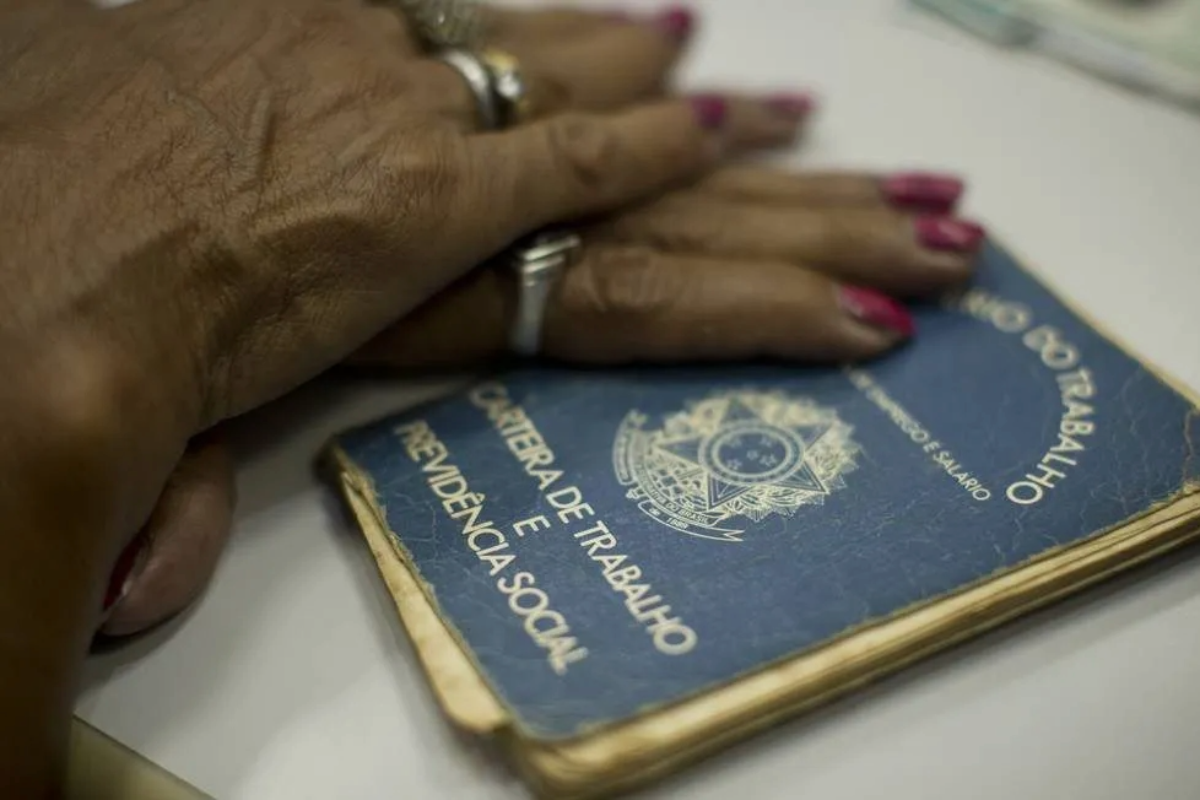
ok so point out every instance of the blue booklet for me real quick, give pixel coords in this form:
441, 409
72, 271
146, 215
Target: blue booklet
614, 573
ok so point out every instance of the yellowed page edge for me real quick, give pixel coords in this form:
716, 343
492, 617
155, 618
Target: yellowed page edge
459, 686
636, 752
605, 762
629, 754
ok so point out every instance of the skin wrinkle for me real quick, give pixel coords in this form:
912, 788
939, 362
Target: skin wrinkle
232, 196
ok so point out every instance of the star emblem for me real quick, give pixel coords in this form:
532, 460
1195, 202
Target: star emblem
740, 452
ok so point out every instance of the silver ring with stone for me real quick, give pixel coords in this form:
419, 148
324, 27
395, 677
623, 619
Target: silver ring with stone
538, 264
509, 86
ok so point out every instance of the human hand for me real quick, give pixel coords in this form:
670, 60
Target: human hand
576, 60
204, 206
747, 263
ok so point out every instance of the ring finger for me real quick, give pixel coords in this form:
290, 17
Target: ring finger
872, 243
610, 66
622, 304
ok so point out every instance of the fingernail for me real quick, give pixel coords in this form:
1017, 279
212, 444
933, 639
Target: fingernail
947, 233
923, 191
877, 309
677, 21
122, 575
711, 110
791, 106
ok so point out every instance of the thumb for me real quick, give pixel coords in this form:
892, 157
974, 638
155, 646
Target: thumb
174, 557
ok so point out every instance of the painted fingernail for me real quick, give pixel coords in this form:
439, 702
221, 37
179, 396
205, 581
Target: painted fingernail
711, 110
947, 233
122, 574
677, 21
791, 106
877, 309
924, 191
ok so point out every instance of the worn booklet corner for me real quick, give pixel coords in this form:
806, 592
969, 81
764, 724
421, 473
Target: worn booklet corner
635, 569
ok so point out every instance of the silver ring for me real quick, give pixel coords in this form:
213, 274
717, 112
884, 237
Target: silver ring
480, 80
443, 24
509, 87
538, 265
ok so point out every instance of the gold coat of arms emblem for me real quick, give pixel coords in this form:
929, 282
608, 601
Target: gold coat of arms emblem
737, 455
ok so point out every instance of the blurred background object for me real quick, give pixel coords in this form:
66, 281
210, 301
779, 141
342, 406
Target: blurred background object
1148, 45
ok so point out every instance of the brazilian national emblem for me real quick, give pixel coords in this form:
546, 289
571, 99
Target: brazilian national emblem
732, 458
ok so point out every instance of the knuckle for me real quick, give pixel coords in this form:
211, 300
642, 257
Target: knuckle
671, 226
631, 285
87, 407
679, 238
585, 150
73, 430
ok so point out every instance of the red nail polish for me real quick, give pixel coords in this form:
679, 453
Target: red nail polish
122, 571
924, 192
947, 233
877, 309
677, 21
711, 110
791, 106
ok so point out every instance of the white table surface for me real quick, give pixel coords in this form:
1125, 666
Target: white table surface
292, 680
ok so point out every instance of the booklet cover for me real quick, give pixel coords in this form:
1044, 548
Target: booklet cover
615, 572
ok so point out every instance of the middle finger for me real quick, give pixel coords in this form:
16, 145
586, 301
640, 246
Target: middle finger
611, 66
925, 192
632, 304
874, 245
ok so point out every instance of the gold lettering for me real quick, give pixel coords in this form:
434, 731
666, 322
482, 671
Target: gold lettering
472, 515
610, 562
497, 564
1048, 343
1005, 316
919, 435
1025, 493
577, 512
620, 578
1046, 476
548, 628
532, 605
463, 504
449, 487
570, 505
474, 537
546, 477
531, 526
1078, 385
597, 538
1074, 388
1067, 445
565, 498
529, 440
520, 435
